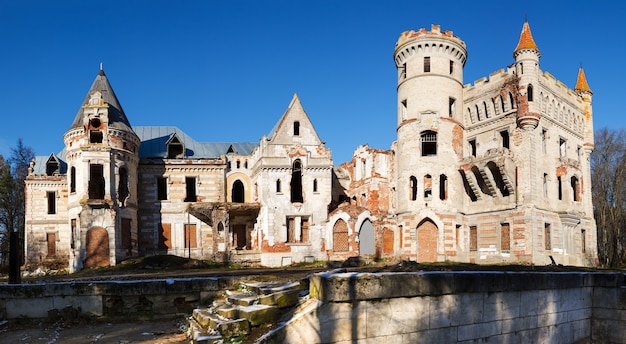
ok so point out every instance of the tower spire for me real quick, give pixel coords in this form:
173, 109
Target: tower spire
581, 81
526, 41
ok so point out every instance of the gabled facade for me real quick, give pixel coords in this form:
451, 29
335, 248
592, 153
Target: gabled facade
493, 172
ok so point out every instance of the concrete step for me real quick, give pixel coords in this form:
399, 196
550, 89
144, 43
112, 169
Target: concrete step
241, 298
226, 327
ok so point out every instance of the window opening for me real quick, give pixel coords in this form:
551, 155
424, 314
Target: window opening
296, 182
51, 240
122, 187
73, 229
175, 148
472, 144
190, 236
583, 241
161, 188
544, 139
402, 72
486, 110
575, 189
451, 103
52, 166
52, 203
296, 128
443, 187
451, 67
404, 108
190, 188
428, 186
73, 179
314, 185
529, 93
278, 186
238, 164
504, 136
238, 192
413, 186
126, 234
95, 136
562, 147
548, 236
560, 186
426, 64
545, 185
429, 143
512, 100
96, 181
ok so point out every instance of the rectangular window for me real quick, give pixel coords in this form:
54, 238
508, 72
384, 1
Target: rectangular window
126, 234
560, 188
472, 144
165, 236
473, 238
51, 239
505, 234
73, 229
451, 67
403, 109
402, 72
161, 188
426, 64
562, 147
52, 202
297, 229
443, 187
190, 236
548, 236
451, 102
583, 241
190, 183
504, 135
96, 181
545, 185
544, 140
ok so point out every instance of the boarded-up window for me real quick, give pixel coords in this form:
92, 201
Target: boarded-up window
305, 230
126, 234
340, 236
473, 238
388, 241
505, 241
190, 236
291, 229
165, 236
51, 239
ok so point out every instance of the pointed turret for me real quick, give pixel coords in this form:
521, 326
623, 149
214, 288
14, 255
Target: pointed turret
581, 82
526, 41
117, 117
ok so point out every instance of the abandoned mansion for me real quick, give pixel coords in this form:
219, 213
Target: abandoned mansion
491, 172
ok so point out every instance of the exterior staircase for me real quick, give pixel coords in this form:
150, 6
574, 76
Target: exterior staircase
254, 304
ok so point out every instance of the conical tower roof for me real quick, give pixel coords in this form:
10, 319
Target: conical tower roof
581, 82
117, 117
526, 41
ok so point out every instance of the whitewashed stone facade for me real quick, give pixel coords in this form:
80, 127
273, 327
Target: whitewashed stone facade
493, 172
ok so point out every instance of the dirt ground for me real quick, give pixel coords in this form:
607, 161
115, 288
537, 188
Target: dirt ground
163, 331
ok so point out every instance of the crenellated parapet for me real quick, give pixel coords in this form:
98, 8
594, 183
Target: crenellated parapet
424, 41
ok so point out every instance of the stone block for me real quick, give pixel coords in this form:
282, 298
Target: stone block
281, 299
259, 314
479, 331
397, 316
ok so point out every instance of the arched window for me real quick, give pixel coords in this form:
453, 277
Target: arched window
413, 187
480, 118
502, 104
486, 110
443, 187
529, 93
575, 189
238, 192
429, 143
296, 182
428, 186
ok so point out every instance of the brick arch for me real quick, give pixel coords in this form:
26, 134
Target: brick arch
427, 236
97, 251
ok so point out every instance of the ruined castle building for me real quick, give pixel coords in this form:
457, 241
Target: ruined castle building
494, 172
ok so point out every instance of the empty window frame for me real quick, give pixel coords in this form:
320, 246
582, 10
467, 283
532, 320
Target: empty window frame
175, 148
190, 188
315, 185
504, 138
52, 166
544, 139
583, 241
472, 144
413, 187
296, 182
402, 72
278, 186
443, 187
238, 193
427, 64
297, 229
161, 188
575, 189
559, 188
52, 202
122, 187
451, 67
403, 109
296, 128
72, 179
545, 185
529, 93
127, 242
562, 147
429, 143
96, 181
451, 106
428, 187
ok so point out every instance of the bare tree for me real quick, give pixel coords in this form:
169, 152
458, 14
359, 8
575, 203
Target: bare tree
608, 186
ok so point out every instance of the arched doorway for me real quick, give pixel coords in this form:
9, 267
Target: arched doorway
427, 235
366, 238
97, 251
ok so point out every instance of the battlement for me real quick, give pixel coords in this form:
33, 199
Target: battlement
435, 31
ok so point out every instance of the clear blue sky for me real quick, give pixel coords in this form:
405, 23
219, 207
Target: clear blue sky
227, 70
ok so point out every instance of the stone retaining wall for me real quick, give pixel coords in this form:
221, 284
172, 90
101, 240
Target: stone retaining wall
461, 307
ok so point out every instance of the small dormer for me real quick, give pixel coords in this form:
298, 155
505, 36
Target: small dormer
52, 166
95, 129
175, 148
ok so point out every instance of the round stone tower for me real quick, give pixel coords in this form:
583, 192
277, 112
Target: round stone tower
527, 70
102, 154
430, 136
